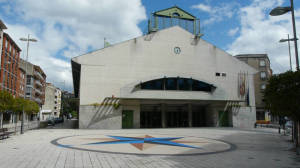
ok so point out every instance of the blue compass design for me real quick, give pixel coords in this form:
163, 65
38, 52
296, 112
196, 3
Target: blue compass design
139, 142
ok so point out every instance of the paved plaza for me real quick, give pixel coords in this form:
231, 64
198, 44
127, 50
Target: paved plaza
150, 148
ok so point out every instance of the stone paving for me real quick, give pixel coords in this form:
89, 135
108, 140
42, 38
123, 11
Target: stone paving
252, 148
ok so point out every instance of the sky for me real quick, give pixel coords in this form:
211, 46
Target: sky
69, 28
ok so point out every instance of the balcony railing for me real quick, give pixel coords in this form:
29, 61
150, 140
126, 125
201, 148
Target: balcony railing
36, 73
38, 83
38, 91
38, 100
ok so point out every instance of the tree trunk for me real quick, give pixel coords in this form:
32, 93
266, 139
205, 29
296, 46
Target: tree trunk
16, 122
1, 120
293, 132
297, 134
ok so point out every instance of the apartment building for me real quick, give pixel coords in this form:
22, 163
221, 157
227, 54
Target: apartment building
261, 63
10, 56
52, 105
21, 82
35, 82
2, 27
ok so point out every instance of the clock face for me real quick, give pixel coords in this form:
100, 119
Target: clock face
177, 50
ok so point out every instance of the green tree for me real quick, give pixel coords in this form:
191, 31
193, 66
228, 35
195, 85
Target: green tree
70, 105
282, 97
33, 107
6, 103
18, 105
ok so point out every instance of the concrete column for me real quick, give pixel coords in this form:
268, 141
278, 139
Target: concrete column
163, 116
190, 115
136, 116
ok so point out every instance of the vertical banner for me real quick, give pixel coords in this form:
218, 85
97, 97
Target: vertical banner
243, 85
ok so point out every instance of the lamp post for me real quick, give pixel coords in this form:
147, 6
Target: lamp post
282, 10
288, 40
28, 39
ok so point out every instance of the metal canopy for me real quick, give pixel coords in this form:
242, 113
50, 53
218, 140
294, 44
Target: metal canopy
175, 12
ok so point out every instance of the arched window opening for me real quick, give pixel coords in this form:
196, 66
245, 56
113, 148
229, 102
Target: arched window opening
186, 84
175, 14
171, 83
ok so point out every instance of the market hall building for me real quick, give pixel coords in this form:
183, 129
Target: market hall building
169, 77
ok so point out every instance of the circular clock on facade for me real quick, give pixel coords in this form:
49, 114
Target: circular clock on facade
177, 50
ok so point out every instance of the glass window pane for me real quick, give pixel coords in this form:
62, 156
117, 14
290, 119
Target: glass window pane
263, 75
184, 84
200, 86
153, 85
263, 87
262, 63
171, 84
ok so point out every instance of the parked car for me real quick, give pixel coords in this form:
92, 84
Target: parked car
51, 121
58, 120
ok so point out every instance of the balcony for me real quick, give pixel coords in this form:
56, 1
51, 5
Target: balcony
37, 82
38, 91
38, 100
37, 74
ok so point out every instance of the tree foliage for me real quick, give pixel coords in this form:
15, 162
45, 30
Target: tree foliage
8, 102
282, 95
70, 105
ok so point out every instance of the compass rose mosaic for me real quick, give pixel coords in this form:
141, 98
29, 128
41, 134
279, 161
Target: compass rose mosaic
144, 144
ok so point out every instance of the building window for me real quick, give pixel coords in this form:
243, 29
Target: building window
185, 84
263, 86
153, 85
262, 63
218, 74
263, 75
176, 84
171, 84
28, 81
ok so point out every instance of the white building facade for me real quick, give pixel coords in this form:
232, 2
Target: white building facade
52, 105
168, 78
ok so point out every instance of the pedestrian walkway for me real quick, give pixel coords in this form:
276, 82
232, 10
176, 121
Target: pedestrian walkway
195, 147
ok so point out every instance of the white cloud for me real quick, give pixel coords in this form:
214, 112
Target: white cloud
70, 28
217, 13
202, 7
233, 32
260, 33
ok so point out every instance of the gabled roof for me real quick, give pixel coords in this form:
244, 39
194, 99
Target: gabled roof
12, 41
169, 12
2, 25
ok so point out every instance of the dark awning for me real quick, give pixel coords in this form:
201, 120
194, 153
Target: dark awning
76, 69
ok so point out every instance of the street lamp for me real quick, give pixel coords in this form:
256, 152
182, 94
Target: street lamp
282, 10
288, 40
28, 39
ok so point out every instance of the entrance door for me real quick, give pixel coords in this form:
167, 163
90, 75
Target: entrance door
198, 116
127, 119
150, 116
177, 116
